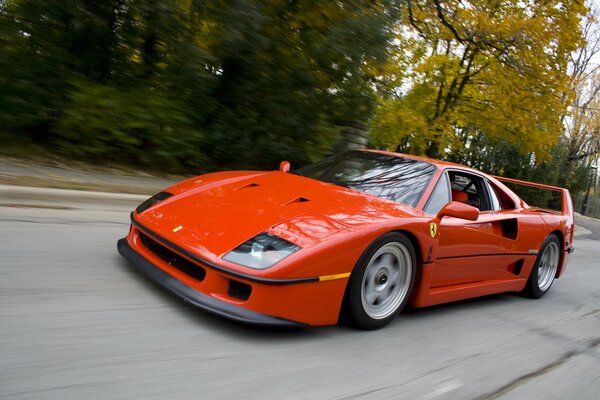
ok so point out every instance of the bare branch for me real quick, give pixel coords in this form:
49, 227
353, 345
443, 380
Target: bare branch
411, 18
442, 17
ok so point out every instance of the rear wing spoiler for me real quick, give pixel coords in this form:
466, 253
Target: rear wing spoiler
567, 202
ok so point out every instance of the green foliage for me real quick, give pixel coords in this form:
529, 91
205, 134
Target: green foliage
503, 158
34, 69
144, 127
289, 73
180, 82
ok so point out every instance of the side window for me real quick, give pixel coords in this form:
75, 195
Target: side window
495, 202
439, 196
470, 189
506, 203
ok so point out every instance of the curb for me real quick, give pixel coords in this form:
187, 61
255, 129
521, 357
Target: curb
77, 185
20, 194
577, 215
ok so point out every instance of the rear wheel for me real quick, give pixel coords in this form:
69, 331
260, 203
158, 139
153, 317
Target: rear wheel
544, 270
382, 281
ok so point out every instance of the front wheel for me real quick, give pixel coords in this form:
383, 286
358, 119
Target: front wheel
382, 281
544, 270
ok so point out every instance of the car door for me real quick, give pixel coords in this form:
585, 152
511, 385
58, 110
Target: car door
468, 251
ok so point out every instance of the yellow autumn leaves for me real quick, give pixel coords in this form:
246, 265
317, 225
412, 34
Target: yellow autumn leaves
492, 67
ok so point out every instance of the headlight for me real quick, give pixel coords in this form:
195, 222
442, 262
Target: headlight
262, 251
157, 198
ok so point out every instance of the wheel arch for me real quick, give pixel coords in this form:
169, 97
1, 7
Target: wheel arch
415, 242
561, 239
342, 313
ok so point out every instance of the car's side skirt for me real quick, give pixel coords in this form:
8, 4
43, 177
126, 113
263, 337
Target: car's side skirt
464, 291
504, 280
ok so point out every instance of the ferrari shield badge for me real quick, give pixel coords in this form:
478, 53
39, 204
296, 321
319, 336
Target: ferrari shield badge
433, 229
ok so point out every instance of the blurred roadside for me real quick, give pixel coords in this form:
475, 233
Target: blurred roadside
54, 174
587, 227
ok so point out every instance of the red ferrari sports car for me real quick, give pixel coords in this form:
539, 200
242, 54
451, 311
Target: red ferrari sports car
361, 234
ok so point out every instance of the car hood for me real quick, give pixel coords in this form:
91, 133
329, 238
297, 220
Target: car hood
212, 214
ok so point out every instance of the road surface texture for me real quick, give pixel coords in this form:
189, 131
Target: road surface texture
77, 322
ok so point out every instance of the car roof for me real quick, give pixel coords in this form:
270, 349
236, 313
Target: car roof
439, 163
442, 165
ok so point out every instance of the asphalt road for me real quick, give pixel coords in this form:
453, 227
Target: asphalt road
77, 322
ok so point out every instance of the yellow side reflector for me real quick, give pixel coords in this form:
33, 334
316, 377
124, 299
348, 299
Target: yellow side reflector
334, 277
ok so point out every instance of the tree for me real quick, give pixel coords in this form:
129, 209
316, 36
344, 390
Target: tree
583, 121
289, 74
35, 63
497, 68
248, 82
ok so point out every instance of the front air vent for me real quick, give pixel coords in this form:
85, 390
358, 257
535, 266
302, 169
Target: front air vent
297, 200
239, 290
249, 185
173, 259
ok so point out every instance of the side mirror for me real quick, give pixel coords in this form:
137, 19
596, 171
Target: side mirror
284, 166
459, 210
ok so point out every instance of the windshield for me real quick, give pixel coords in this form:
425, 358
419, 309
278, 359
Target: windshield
399, 179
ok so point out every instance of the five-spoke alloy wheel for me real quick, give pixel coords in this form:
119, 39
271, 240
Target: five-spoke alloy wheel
545, 268
382, 281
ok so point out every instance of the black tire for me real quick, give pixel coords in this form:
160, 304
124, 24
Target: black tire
382, 281
544, 270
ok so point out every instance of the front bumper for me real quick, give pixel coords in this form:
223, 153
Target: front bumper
196, 298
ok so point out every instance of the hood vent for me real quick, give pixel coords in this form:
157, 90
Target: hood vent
297, 200
249, 185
